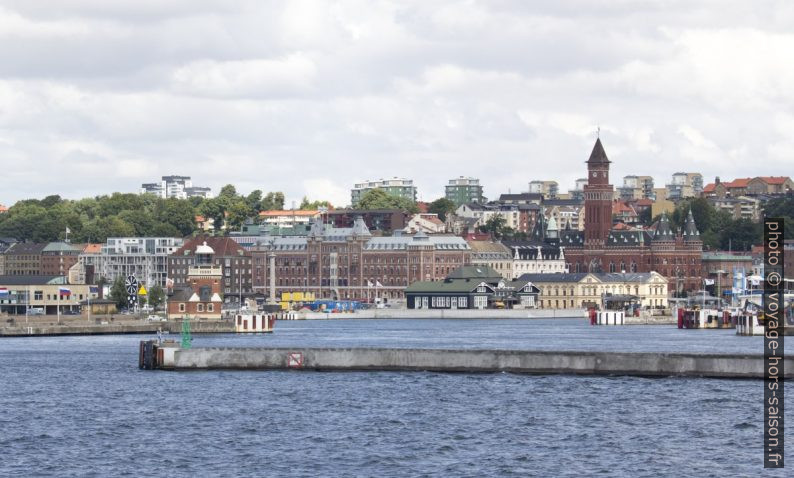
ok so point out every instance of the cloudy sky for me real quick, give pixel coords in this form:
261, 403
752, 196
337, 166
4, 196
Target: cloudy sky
309, 97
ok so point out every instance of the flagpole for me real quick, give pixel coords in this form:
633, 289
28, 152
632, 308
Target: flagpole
58, 306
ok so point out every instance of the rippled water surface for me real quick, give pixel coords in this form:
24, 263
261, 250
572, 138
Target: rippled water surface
79, 406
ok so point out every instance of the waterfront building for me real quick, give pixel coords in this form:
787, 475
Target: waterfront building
399, 187
180, 187
199, 296
472, 287
586, 289
684, 185
464, 191
676, 255
40, 294
350, 263
234, 261
5, 244
722, 266
146, 258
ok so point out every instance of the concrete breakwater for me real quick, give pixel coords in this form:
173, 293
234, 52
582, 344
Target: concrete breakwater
442, 360
172, 327
397, 313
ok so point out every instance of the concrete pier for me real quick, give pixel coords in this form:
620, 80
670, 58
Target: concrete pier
441, 360
173, 327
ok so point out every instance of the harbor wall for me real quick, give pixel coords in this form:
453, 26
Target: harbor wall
447, 314
174, 327
440, 360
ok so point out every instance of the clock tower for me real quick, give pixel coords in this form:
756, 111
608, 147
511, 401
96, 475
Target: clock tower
598, 195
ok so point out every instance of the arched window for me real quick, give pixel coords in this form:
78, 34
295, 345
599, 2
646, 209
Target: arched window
611, 267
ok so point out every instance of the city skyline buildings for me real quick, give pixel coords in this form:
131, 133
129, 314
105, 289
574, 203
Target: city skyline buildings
283, 108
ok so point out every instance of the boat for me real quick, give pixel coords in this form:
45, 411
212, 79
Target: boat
705, 312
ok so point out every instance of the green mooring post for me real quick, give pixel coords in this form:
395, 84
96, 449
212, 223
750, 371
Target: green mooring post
186, 338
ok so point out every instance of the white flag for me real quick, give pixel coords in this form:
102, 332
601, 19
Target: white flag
68, 231
369, 284
378, 284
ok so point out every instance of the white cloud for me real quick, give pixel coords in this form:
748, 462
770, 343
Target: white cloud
310, 96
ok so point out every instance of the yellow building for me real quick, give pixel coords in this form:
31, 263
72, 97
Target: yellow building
42, 295
578, 290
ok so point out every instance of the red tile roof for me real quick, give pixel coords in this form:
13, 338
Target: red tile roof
3, 208
738, 183
92, 249
709, 188
223, 246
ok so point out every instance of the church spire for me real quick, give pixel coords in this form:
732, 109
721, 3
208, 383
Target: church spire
598, 155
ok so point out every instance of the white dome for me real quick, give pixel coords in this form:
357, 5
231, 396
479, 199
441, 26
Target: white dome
204, 249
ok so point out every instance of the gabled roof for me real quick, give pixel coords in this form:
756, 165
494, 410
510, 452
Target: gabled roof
598, 155
475, 273
447, 286
738, 183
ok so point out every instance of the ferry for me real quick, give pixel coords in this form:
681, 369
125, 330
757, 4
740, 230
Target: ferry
704, 312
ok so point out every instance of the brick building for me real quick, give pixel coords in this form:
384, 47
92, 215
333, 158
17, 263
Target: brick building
600, 248
349, 263
200, 296
58, 257
234, 261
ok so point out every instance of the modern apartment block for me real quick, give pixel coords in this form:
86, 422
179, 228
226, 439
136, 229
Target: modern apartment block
144, 257
180, 187
549, 189
685, 185
399, 187
637, 187
464, 191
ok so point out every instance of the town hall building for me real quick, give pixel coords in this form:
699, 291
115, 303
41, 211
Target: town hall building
676, 255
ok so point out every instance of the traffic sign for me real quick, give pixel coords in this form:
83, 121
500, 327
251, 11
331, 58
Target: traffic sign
142, 290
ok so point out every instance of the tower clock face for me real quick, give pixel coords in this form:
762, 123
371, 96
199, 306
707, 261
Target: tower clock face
595, 174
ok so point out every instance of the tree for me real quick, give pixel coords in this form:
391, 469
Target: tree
238, 213
442, 207
254, 200
156, 296
497, 226
228, 192
178, 213
214, 209
306, 205
273, 201
118, 293
379, 199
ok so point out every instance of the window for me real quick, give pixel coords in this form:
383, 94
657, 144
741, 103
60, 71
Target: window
210, 307
199, 307
181, 307
38, 295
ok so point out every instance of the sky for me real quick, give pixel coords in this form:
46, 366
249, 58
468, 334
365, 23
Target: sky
309, 97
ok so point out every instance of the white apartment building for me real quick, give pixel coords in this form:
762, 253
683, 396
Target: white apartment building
144, 257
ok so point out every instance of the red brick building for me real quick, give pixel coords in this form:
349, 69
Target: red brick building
58, 257
234, 261
675, 255
200, 296
349, 263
